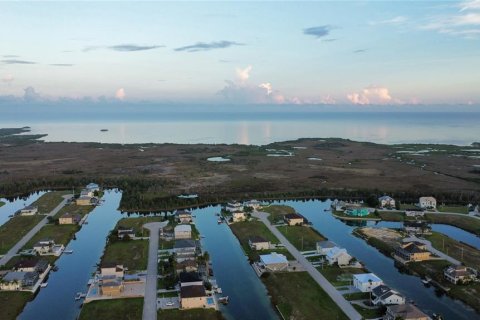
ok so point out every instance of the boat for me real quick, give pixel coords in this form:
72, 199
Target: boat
55, 268
326, 210
44, 285
223, 300
219, 221
218, 290
68, 251
103, 130
10, 216
80, 295
424, 281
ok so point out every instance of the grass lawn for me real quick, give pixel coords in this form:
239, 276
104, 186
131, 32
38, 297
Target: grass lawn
61, 234
133, 254
466, 223
339, 276
452, 247
2, 204
357, 296
74, 209
370, 313
391, 216
12, 304
115, 309
277, 212
14, 229
193, 314
297, 296
456, 209
49, 201
137, 224
11, 263
301, 237
163, 244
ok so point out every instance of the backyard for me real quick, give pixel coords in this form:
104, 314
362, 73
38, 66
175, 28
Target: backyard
12, 303
301, 237
133, 254
61, 234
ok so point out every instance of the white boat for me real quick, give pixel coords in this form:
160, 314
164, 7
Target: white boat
219, 290
80, 295
68, 251
44, 285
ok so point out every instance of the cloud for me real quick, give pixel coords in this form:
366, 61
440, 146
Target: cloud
398, 20
204, 46
15, 61
360, 51
267, 86
319, 31
329, 40
123, 47
464, 22
30, 94
469, 5
10, 56
243, 74
62, 64
371, 95
8, 79
120, 94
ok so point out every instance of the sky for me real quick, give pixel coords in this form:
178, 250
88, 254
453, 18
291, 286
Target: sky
326, 53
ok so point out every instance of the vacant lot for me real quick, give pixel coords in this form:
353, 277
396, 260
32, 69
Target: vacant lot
137, 224
74, 209
61, 234
49, 201
339, 276
133, 254
460, 251
301, 237
277, 212
197, 314
125, 309
12, 304
14, 230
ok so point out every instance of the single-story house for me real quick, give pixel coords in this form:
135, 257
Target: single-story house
274, 261
427, 203
182, 231
366, 282
112, 269
69, 218
386, 201
31, 265
234, 206
384, 295
185, 249
84, 201
29, 211
183, 216
192, 297
324, 247
189, 265
414, 212
417, 227
259, 243
43, 246
92, 187
238, 216
190, 279
18, 280
339, 256
111, 288
254, 204
294, 219
125, 232
357, 212
404, 312
86, 193
411, 251
459, 274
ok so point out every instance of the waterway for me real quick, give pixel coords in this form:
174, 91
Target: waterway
340, 232
10, 207
57, 300
248, 295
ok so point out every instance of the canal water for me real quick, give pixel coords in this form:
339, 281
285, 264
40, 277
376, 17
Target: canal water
57, 300
340, 232
248, 296
10, 207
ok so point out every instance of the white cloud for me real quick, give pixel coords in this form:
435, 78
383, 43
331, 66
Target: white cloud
469, 5
243, 74
120, 94
30, 94
371, 95
8, 79
393, 21
267, 86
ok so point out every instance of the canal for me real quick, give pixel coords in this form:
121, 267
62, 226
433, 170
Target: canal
341, 233
12, 206
248, 296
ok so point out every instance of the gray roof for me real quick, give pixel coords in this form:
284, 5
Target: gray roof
18, 276
185, 243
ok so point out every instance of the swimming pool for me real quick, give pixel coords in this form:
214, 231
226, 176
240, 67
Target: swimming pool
210, 301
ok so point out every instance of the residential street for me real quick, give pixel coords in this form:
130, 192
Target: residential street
343, 304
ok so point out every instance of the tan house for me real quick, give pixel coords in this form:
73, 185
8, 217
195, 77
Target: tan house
405, 312
238, 216
294, 219
411, 251
192, 297
183, 216
274, 262
112, 288
84, 201
68, 218
259, 243
112, 269
182, 231
29, 211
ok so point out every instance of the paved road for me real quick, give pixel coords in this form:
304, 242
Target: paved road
13, 251
346, 307
150, 301
433, 250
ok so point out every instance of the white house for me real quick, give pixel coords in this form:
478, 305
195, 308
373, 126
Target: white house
339, 256
259, 243
92, 187
384, 295
234, 206
324, 247
365, 282
386, 201
274, 261
254, 204
44, 246
29, 211
238, 216
427, 203
182, 231
459, 274
86, 193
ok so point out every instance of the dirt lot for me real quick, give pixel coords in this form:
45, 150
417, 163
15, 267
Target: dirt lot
386, 235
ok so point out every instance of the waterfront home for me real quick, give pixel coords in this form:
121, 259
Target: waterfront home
234, 206
404, 312
68, 218
294, 219
123, 233
386, 202
411, 252
339, 256
190, 279
427, 203
182, 231
338, 205
31, 265
85, 201
324, 247
44, 246
356, 211
185, 249
460, 274
189, 265
384, 295
18, 280
92, 187
193, 296
238, 216
109, 269
86, 193
254, 204
183, 216
259, 243
414, 212
111, 287
29, 211
417, 227
366, 282
274, 262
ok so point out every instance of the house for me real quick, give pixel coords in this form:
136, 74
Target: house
238, 216
386, 202
92, 187
86, 193
460, 274
357, 212
183, 216
123, 233
366, 282
68, 218
254, 204
414, 212
384, 295
17, 280
31, 265
427, 203
111, 288
192, 297
338, 205
274, 261
190, 279
259, 243
294, 219
57, 249
107, 270
411, 251
417, 227
44, 246
29, 211
323, 247
404, 312
185, 249
84, 201
189, 265
234, 206
182, 231
339, 256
